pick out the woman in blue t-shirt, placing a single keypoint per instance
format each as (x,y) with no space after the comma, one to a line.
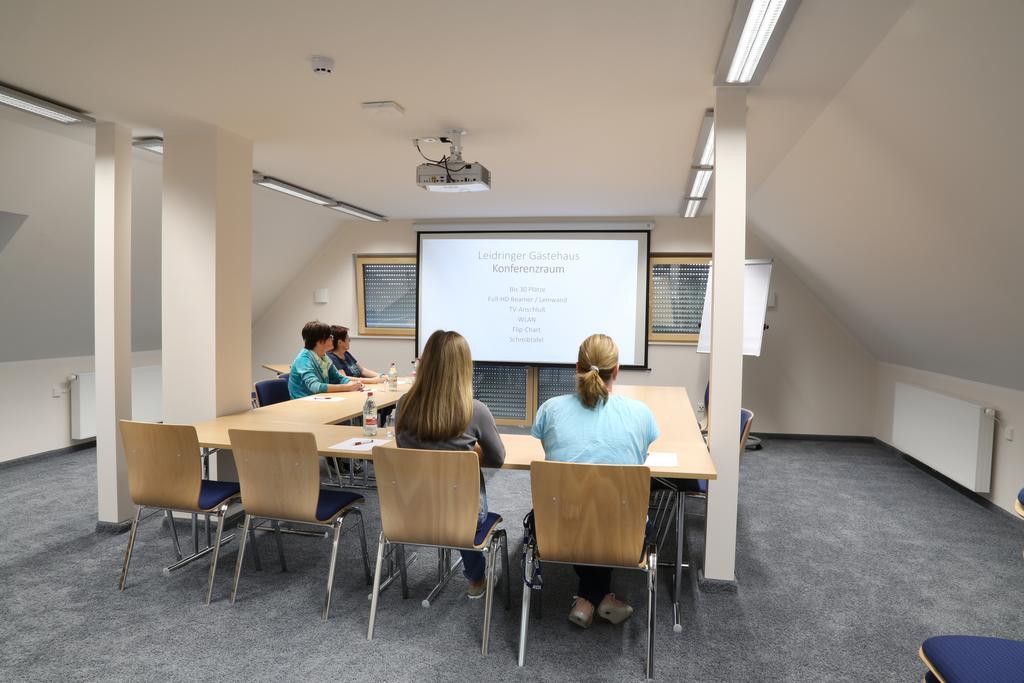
(593,426)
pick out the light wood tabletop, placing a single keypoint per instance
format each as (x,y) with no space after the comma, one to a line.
(680,433)
(278,368)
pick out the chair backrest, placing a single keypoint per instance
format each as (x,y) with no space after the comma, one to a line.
(279,473)
(164,468)
(428,497)
(746,420)
(271,391)
(590,514)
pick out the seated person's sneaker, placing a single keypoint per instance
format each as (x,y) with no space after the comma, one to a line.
(581,612)
(476,589)
(614,610)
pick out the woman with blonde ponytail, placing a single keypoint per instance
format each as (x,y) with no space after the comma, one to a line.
(595,426)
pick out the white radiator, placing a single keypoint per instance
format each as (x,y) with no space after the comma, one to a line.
(147,399)
(951,436)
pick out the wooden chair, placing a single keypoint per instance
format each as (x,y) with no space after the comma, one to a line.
(591,515)
(432,499)
(164,471)
(280,478)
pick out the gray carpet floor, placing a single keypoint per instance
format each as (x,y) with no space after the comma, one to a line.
(848,557)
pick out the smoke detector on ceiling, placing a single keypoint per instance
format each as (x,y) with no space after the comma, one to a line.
(322,65)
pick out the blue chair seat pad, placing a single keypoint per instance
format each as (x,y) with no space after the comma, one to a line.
(331,503)
(483,528)
(212,493)
(1020,496)
(970,659)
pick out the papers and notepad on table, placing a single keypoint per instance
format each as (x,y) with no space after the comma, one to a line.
(322,397)
(664,459)
(360,443)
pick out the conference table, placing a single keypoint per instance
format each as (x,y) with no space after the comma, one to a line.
(680,437)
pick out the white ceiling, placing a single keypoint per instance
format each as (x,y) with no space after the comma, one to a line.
(884,143)
(578,107)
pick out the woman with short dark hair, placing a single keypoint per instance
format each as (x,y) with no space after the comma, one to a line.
(312,371)
(345,362)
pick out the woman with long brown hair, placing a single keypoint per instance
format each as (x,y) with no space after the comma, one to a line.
(439,413)
(595,426)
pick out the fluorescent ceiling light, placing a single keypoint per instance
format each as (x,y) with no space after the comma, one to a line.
(357,212)
(753,37)
(155,145)
(692,208)
(700,183)
(40,107)
(707,157)
(458,187)
(293,190)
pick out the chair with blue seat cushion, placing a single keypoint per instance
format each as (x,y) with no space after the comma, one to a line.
(700,486)
(1018,504)
(280,477)
(165,472)
(973,659)
(271,391)
(432,499)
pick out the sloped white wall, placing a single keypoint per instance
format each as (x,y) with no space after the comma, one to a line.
(813,377)
(900,206)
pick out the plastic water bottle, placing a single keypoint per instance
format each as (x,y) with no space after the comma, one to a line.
(412,376)
(370,416)
(393,377)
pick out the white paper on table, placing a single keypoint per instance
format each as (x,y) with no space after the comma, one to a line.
(664,459)
(322,397)
(360,443)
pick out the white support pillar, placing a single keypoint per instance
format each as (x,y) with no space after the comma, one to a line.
(206,274)
(113,311)
(728,252)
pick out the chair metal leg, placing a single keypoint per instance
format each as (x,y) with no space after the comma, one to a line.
(174,533)
(376,586)
(246,532)
(255,550)
(362,544)
(334,561)
(677,625)
(131,545)
(524,619)
(490,557)
(507,570)
(652,604)
(195,534)
(280,545)
(209,541)
(221,513)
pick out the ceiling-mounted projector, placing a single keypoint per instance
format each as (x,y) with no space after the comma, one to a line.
(450,173)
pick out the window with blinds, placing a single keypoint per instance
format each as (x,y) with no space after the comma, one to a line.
(386,295)
(508,390)
(677,287)
(554,381)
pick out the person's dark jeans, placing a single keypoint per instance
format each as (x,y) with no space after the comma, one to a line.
(473,563)
(595,583)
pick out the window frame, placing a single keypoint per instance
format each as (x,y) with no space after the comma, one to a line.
(364,330)
(683,339)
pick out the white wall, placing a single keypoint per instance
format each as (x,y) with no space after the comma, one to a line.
(32,420)
(1008,459)
(813,377)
